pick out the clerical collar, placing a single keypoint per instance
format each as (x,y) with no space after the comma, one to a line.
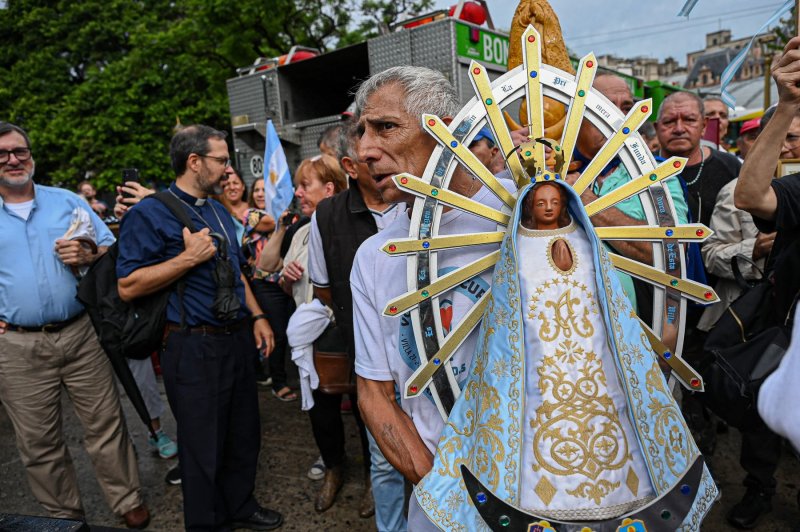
(188,198)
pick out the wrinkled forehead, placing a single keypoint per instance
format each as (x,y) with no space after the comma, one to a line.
(685,107)
(12,139)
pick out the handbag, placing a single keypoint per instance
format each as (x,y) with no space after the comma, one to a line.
(745,346)
(333,363)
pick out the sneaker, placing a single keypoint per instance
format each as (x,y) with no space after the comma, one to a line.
(317,471)
(173,477)
(161,444)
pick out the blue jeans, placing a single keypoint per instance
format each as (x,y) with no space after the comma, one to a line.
(388,490)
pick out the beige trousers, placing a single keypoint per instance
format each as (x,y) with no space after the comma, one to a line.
(33,369)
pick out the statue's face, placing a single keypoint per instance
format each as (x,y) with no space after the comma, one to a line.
(544,206)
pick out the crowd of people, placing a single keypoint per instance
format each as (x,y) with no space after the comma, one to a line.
(318,274)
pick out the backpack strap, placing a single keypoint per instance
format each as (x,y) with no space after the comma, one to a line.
(176,207)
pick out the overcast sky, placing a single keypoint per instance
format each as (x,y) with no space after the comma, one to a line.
(628,28)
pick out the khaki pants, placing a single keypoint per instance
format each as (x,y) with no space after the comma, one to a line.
(33,369)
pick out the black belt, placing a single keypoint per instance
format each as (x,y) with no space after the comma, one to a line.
(47,327)
(207,330)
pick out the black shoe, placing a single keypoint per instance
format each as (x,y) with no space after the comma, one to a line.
(745,514)
(173,477)
(262,519)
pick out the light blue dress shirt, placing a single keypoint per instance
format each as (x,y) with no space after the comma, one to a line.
(36,288)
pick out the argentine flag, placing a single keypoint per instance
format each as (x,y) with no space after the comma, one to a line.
(278,188)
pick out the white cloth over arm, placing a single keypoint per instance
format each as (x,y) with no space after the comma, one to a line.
(306,325)
(317,268)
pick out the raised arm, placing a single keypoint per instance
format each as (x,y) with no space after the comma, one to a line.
(753,191)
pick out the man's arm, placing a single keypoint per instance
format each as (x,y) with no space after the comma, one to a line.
(753,191)
(324,295)
(613,217)
(199,247)
(393,430)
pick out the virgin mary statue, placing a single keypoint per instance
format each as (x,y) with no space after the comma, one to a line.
(566,419)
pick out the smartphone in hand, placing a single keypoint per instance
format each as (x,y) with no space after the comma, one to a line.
(129,174)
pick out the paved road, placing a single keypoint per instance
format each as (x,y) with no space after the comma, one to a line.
(288,450)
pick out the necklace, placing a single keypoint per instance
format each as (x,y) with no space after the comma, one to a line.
(699,170)
(224,231)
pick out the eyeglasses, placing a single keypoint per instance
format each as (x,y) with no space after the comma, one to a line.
(22,154)
(221,160)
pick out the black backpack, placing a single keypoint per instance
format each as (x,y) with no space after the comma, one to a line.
(135,329)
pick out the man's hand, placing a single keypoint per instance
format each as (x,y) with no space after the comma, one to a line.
(137,193)
(786,72)
(199,246)
(265,339)
(763,245)
(73,253)
(292,272)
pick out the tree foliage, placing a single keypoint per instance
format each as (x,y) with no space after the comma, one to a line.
(99,84)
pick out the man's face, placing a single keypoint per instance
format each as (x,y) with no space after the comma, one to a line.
(392,141)
(15,173)
(590,139)
(680,128)
(791,143)
(745,142)
(717,109)
(212,171)
(485,151)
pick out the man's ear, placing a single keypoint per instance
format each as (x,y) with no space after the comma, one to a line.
(349,166)
(447,120)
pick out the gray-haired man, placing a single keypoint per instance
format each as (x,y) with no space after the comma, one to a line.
(392,141)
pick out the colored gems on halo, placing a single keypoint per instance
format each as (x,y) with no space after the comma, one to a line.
(534,73)
(476,70)
(699,232)
(695,383)
(437,361)
(392,248)
(676,164)
(425,293)
(709,295)
(504,520)
(581,93)
(674,282)
(645,108)
(488,101)
(666,514)
(667,354)
(653,177)
(393,310)
(686,489)
(434,192)
(426,245)
(413,389)
(481,497)
(527,154)
(404,180)
(531,38)
(431,122)
(454,143)
(670,232)
(626,130)
(589,64)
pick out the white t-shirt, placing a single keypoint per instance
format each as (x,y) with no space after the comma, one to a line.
(317,269)
(22,209)
(385,346)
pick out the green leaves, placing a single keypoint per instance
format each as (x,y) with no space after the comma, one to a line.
(99,84)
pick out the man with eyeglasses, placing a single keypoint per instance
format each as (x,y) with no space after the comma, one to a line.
(47,342)
(207,358)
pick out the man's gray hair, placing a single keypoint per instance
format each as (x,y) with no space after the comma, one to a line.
(426,91)
(347,140)
(680,95)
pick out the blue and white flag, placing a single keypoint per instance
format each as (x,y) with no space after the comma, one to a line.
(731,70)
(278,188)
(687,8)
